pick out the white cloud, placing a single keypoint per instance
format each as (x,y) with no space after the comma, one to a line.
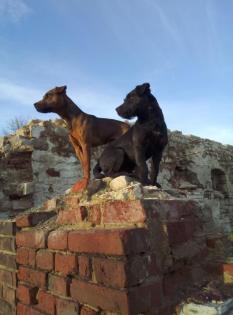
(19,94)
(14,10)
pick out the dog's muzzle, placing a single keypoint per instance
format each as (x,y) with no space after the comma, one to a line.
(124,113)
(41,108)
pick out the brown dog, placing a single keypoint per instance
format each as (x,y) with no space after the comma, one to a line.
(86,130)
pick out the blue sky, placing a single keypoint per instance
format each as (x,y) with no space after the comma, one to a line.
(101,49)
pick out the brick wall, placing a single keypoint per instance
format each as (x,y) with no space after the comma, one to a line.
(7,267)
(118,257)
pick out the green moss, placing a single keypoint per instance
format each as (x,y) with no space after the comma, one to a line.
(230,236)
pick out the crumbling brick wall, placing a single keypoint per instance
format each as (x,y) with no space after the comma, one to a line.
(38,163)
(115,257)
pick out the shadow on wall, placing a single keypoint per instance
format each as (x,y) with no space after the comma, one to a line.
(219,181)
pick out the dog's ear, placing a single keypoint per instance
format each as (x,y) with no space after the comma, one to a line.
(143,88)
(61,89)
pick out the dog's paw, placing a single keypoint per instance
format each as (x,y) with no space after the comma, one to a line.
(80,185)
(157,185)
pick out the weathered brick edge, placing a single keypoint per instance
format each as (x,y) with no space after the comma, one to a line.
(7,267)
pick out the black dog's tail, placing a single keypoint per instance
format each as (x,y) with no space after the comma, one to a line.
(97,171)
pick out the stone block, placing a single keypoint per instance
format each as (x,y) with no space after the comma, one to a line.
(22,204)
(25,189)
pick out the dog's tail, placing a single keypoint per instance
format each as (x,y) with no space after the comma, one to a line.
(97,171)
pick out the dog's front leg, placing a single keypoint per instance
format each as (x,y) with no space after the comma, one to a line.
(83,154)
(85,162)
(86,159)
(156,158)
(141,166)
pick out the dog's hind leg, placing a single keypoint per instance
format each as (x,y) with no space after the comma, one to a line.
(111,161)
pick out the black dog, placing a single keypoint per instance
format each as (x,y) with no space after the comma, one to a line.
(146,139)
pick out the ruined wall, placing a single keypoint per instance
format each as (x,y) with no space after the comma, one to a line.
(38,163)
(203,170)
(117,249)
(126,250)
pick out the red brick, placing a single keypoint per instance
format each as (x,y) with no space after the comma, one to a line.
(31,239)
(72,216)
(8,277)
(109,242)
(27,310)
(180,232)
(58,240)
(213,268)
(173,282)
(171,210)
(145,298)
(65,263)
(7,243)
(32,219)
(7,259)
(87,311)
(142,299)
(31,276)
(58,285)
(72,200)
(84,266)
(26,256)
(45,260)
(212,242)
(67,307)
(46,302)
(7,227)
(8,294)
(139,268)
(123,212)
(121,274)
(94,214)
(109,272)
(228,267)
(99,296)
(26,294)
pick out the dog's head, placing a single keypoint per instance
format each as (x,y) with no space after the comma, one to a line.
(135,101)
(53,101)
